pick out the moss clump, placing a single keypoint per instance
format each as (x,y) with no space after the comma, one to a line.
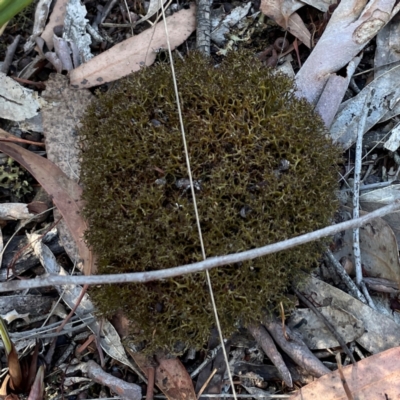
(264,172)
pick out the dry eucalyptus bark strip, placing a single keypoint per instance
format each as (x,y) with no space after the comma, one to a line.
(295,347)
(265,341)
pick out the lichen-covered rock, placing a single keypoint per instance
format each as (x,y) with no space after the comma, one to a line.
(264,171)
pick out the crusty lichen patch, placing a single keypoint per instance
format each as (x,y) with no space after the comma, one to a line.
(264,171)
(14,179)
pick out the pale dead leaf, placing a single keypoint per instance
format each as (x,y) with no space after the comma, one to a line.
(322,5)
(315,333)
(376,377)
(14,211)
(154,6)
(291,6)
(370,201)
(393,143)
(16,102)
(381,332)
(375,100)
(379,251)
(288,7)
(13,315)
(134,53)
(56,19)
(293,23)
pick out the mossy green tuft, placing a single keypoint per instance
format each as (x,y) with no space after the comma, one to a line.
(264,171)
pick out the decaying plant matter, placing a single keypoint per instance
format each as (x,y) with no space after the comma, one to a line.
(263,170)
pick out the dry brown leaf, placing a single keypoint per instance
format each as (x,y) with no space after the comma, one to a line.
(374,199)
(381,331)
(37,390)
(121,324)
(170,376)
(376,377)
(66,195)
(14,369)
(56,18)
(173,379)
(134,53)
(4,386)
(379,251)
(293,23)
(315,333)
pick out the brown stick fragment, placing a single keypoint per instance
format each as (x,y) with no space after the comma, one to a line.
(39,85)
(125,390)
(295,348)
(265,341)
(343,379)
(8,137)
(209,263)
(150,385)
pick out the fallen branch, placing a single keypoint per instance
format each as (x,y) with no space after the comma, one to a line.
(141,277)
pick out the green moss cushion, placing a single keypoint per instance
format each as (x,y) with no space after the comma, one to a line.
(264,171)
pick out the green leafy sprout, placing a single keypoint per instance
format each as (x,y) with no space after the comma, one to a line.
(10,8)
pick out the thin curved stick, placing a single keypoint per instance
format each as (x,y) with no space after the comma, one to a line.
(209,263)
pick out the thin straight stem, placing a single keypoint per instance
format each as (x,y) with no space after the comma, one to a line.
(356,195)
(192,188)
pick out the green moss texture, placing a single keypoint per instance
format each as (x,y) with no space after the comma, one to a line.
(264,171)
